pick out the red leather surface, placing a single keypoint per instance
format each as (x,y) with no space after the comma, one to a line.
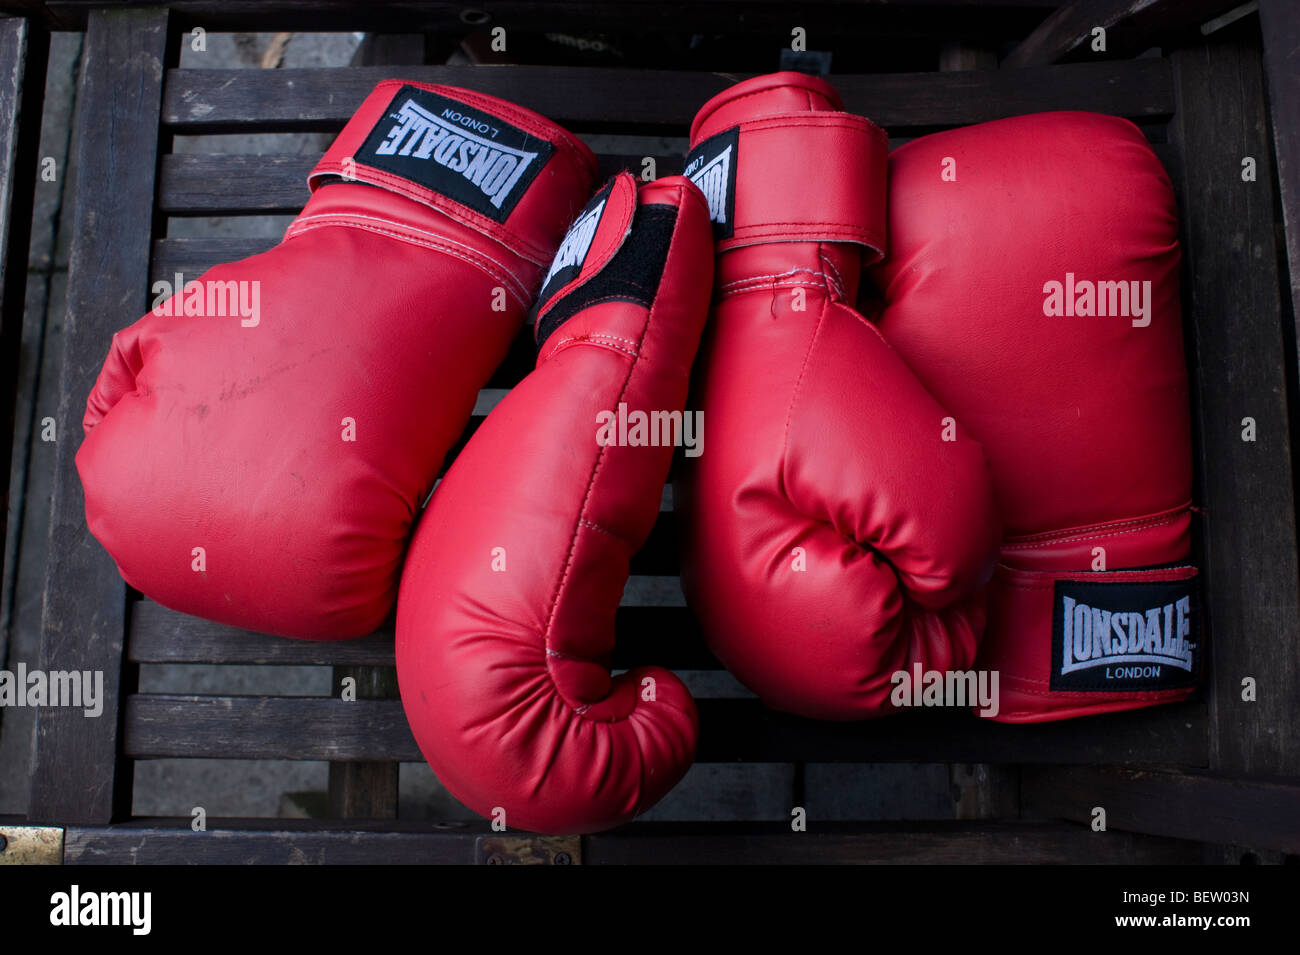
(772,94)
(1084,419)
(504,670)
(831,535)
(205,433)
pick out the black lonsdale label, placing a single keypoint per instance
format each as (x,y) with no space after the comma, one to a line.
(712,166)
(572,253)
(460,152)
(1111,637)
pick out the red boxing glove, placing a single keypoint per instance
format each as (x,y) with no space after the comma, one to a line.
(257,447)
(505,622)
(840,526)
(1032,284)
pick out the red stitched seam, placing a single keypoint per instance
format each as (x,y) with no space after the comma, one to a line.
(582,510)
(461,213)
(506,280)
(1172,514)
(360,219)
(1046,580)
(1140,525)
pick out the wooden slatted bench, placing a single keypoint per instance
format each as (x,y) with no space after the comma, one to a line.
(1224,772)
(23,51)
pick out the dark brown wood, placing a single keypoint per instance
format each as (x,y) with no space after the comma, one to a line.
(743,730)
(193,257)
(1131,26)
(238,184)
(76,776)
(390,49)
(985,791)
(616,100)
(365,789)
(32,473)
(23,55)
(1249,812)
(965,56)
(246,727)
(268,842)
(222,184)
(1233,313)
(666,636)
(273,842)
(160,635)
(33,10)
(730,730)
(746,17)
(1280,30)
(929,843)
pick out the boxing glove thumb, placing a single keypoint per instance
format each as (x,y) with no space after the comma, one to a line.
(505,620)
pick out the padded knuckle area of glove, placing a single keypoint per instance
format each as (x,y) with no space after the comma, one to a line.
(930,503)
(632,275)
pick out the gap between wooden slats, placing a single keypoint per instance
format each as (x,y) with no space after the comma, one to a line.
(234,727)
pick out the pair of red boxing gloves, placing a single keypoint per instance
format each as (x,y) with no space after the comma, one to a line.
(945,397)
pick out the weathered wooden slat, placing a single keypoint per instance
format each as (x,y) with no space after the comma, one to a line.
(23,55)
(365,789)
(222,184)
(837,17)
(390,49)
(193,257)
(161,635)
(278,842)
(590,97)
(745,730)
(244,184)
(1280,30)
(76,777)
(667,636)
(1249,579)
(730,730)
(886,843)
(247,727)
(264,842)
(193,184)
(24,52)
(31,383)
(1247,812)
(1131,26)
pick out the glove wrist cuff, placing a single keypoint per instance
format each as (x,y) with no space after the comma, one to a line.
(814,176)
(472,157)
(1071,643)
